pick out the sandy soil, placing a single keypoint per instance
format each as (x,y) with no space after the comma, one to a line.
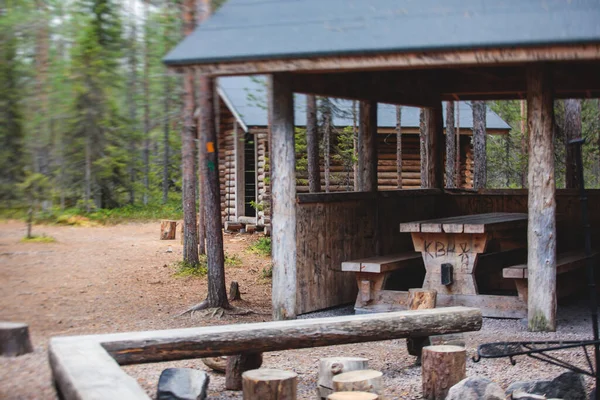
(119,278)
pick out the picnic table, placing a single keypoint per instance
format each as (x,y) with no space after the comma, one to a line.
(451,246)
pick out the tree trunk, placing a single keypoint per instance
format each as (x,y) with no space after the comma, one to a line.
(572,130)
(523,146)
(399,145)
(167,104)
(541,226)
(367,146)
(312,145)
(217,293)
(327,128)
(450,146)
(367,380)
(355,144)
(443,367)
(131,100)
(237,365)
(283,196)
(88,173)
(190,227)
(423,148)
(146,88)
(234,291)
(479,145)
(269,384)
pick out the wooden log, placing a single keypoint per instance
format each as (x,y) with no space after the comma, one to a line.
(237,365)
(269,384)
(283,187)
(234,291)
(168,229)
(443,367)
(353,396)
(218,364)
(419,299)
(285,335)
(367,380)
(332,366)
(14,339)
(541,226)
(312,144)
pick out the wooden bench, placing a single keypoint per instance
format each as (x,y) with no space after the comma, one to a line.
(373,272)
(565,262)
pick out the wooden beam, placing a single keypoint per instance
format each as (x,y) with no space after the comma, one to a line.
(312,145)
(405,60)
(367,147)
(283,194)
(541,226)
(411,88)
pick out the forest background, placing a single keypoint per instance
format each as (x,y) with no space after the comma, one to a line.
(91,120)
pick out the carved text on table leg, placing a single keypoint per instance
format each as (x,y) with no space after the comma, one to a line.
(459,250)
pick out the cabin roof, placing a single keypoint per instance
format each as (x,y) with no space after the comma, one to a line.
(250,30)
(246,97)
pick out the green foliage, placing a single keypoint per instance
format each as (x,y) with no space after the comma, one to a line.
(184,269)
(267,272)
(261,247)
(232,260)
(38,239)
(257,206)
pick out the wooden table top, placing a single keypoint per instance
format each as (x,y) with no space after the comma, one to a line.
(475,223)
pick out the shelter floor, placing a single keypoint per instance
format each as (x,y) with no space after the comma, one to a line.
(120,278)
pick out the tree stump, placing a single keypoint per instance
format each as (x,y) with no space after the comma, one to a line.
(443,367)
(218,364)
(269,384)
(14,339)
(419,299)
(168,229)
(366,380)
(237,365)
(352,396)
(332,366)
(234,292)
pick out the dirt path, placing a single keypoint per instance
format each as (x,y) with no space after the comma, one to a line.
(103,279)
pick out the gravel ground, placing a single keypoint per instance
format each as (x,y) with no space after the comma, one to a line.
(77,286)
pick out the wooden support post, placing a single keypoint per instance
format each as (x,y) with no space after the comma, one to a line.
(237,365)
(541,226)
(332,366)
(367,146)
(443,367)
(367,380)
(168,229)
(312,145)
(238,149)
(269,384)
(433,147)
(283,195)
(450,146)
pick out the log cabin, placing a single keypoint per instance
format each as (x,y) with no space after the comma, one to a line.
(243,144)
(412,54)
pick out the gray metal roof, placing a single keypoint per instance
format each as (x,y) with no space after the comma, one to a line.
(247,97)
(270,29)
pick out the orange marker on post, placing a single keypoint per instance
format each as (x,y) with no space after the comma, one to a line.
(210,147)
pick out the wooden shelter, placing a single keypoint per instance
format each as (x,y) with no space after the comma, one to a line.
(243,144)
(409,53)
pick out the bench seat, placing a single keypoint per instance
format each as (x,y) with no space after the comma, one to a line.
(565,262)
(381,264)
